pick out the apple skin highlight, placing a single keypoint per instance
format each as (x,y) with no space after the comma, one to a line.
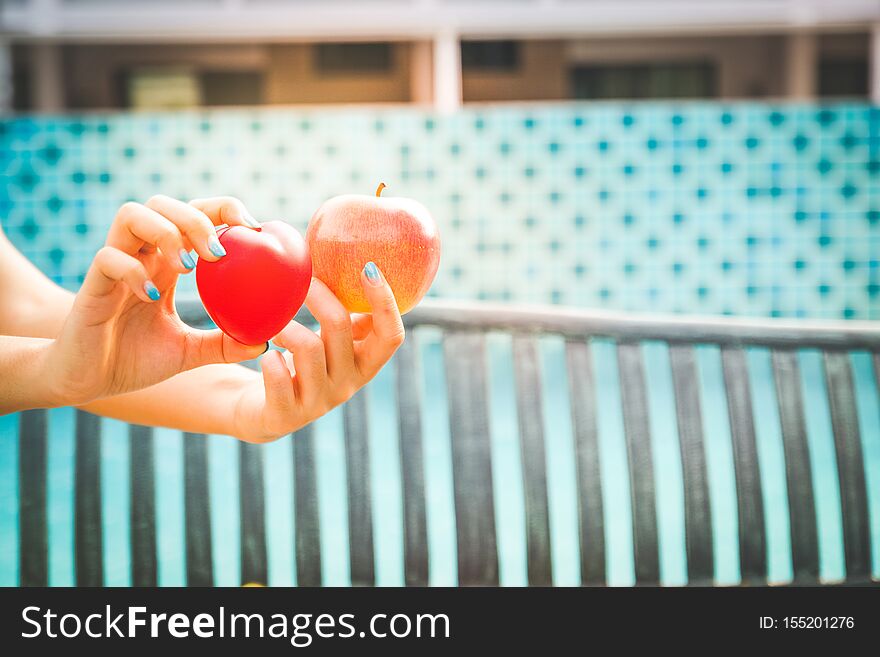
(398,234)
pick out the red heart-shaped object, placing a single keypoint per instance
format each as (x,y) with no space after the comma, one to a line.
(253,291)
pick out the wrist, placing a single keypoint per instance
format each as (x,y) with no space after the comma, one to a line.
(254,422)
(247,424)
(26,375)
(242,389)
(64,386)
(47,380)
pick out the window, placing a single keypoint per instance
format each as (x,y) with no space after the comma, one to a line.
(161,89)
(21,88)
(353,57)
(843,77)
(490,55)
(231,88)
(181,88)
(634,81)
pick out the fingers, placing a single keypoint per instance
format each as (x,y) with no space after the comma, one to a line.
(195,225)
(278,386)
(138,228)
(310,382)
(361,325)
(327,369)
(388,333)
(206,347)
(335,332)
(226,210)
(110,267)
(174,227)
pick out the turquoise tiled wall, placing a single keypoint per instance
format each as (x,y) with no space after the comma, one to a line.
(744,208)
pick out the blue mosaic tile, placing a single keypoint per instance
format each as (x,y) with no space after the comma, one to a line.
(749,209)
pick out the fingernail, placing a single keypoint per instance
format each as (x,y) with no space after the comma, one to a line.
(372,272)
(152,291)
(250,221)
(186,259)
(215,247)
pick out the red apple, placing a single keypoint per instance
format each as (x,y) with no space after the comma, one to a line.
(253,291)
(398,234)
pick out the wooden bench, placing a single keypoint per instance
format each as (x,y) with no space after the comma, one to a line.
(463,331)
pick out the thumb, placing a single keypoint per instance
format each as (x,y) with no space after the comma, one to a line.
(206,347)
(387,323)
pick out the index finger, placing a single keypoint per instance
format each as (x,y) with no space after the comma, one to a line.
(335,330)
(225,210)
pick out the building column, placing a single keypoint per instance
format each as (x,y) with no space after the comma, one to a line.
(5,77)
(801,66)
(447,72)
(421,73)
(874,68)
(48,78)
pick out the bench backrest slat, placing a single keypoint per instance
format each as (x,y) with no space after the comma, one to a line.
(465,358)
(749,501)
(360,508)
(33,531)
(144,566)
(527,377)
(591,515)
(197,512)
(850,464)
(412,464)
(798,471)
(307,528)
(252,524)
(697,511)
(89,529)
(640,459)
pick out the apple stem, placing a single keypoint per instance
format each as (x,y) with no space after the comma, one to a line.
(380,188)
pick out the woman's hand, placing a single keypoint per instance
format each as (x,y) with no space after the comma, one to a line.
(319,371)
(123,332)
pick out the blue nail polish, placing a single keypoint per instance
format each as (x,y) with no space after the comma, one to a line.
(151,290)
(186,259)
(215,247)
(250,221)
(372,272)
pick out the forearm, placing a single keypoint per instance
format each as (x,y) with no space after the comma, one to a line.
(25,374)
(202,400)
(32,305)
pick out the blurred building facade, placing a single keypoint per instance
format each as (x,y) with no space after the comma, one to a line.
(95,54)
